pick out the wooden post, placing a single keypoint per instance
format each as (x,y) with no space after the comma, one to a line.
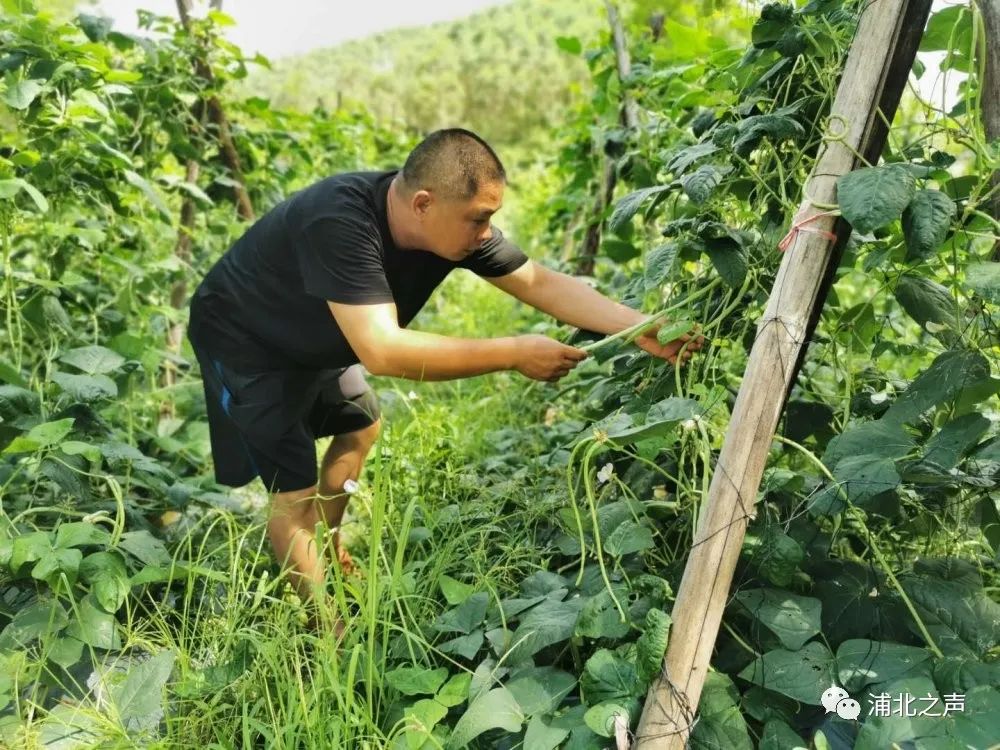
(628,115)
(989,11)
(874,76)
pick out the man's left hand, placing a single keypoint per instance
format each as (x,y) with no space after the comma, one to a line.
(683,346)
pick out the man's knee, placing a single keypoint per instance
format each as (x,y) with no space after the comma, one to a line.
(293,506)
(364,438)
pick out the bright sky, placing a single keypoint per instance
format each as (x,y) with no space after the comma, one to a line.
(293,26)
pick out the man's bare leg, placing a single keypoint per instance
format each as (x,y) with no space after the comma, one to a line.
(344,460)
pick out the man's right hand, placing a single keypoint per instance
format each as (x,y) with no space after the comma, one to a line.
(541,358)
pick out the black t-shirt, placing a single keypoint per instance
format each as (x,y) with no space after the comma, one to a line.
(263,304)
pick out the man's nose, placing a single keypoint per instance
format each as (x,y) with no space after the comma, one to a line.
(486,234)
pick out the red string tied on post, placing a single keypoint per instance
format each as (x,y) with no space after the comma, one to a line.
(801,225)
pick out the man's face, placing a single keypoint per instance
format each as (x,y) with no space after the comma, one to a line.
(454,229)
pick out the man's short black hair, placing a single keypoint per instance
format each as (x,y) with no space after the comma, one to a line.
(454,163)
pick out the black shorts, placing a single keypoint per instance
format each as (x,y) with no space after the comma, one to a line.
(266,423)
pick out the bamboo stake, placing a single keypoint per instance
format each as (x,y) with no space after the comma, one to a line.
(874,76)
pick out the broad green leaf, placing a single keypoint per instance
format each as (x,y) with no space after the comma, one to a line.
(861,662)
(984,280)
(895,730)
(802,675)
(544,583)
(41,436)
(542,736)
(109,580)
(948,445)
(65,652)
(79,448)
(688,156)
(660,420)
(465,645)
(620,251)
(699,185)
(27,548)
(925,223)
(651,646)
(465,617)
(627,207)
(138,181)
(872,197)
(80,534)
(863,477)
(776,555)
(138,698)
(876,439)
(92,625)
(609,677)
(793,618)
(10,188)
(660,264)
(146,548)
(729,260)
(628,538)
(947,375)
(455,691)
(495,709)
(20,94)
(42,617)
(774,126)
(569,44)
(455,592)
(854,600)
(599,617)
(779,736)
(948,26)
(948,596)
(86,388)
(602,717)
(929,304)
(93,360)
(774,21)
(957,674)
(421,718)
(540,690)
(720,724)
(53,565)
(417,680)
(550,622)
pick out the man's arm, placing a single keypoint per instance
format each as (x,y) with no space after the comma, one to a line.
(386,349)
(567,299)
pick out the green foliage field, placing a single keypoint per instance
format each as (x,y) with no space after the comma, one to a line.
(519,544)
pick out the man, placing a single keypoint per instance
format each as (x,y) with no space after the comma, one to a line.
(331,277)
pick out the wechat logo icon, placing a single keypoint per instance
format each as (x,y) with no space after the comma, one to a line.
(836,699)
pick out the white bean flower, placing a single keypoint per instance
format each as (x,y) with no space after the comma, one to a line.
(604,475)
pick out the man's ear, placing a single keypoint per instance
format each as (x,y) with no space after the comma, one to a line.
(421,203)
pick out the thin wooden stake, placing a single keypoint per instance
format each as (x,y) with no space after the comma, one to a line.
(874,76)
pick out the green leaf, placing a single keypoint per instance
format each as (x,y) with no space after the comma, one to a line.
(608,677)
(872,197)
(925,223)
(984,280)
(863,477)
(20,94)
(417,680)
(42,617)
(948,26)
(773,125)
(109,580)
(542,736)
(465,645)
(599,617)
(853,599)
(455,690)
(550,622)
(139,182)
(779,736)
(651,646)
(455,592)
(94,626)
(628,538)
(957,674)
(94,360)
(80,534)
(56,563)
(540,690)
(139,697)
(802,675)
(776,555)
(793,618)
(660,264)
(569,44)
(65,652)
(146,548)
(720,724)
(421,718)
(602,717)
(660,420)
(947,375)
(876,439)
(926,301)
(466,617)
(620,251)
(495,709)
(700,184)
(86,388)
(28,548)
(861,662)
(627,207)
(41,436)
(958,437)
(10,188)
